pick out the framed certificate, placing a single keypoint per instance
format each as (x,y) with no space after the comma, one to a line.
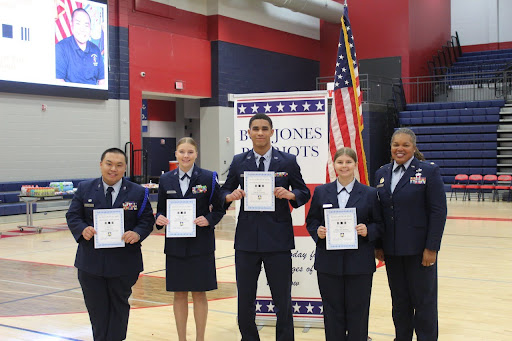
(181,214)
(109,226)
(341,228)
(259,191)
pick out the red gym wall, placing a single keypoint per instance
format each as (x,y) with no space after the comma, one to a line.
(170,44)
(412,29)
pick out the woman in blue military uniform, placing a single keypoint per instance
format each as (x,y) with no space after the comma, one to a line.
(190,262)
(413,204)
(345,276)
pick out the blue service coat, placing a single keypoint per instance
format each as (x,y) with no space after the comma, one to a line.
(267,231)
(169,188)
(346,262)
(415,213)
(111,262)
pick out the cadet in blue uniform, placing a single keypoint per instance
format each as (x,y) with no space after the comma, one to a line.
(345,276)
(265,237)
(77,59)
(107,275)
(190,262)
(413,205)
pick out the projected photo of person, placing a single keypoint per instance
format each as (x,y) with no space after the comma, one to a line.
(77,58)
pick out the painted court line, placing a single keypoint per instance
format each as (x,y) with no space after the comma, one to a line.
(42,295)
(39,333)
(480,218)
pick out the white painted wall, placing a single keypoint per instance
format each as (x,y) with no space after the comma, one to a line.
(215,152)
(254,11)
(64,142)
(194,6)
(482,21)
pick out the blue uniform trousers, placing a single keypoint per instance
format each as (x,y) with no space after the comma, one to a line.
(278,268)
(414,297)
(346,301)
(106,299)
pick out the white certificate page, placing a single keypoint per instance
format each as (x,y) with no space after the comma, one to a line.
(181,214)
(341,228)
(259,191)
(109,226)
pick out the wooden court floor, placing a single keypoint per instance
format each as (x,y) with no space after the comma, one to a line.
(40,298)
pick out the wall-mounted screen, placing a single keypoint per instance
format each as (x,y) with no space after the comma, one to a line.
(54,47)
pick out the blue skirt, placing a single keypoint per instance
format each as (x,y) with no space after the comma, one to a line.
(192,273)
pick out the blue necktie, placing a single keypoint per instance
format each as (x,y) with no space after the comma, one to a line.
(261,166)
(108,196)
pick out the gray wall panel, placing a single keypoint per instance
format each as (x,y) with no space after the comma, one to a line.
(63,142)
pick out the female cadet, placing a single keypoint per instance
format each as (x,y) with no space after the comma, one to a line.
(190,262)
(345,276)
(413,205)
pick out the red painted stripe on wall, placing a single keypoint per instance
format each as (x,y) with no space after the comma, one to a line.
(247,34)
(487,47)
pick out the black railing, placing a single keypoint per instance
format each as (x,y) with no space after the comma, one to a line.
(457,87)
(445,57)
(137,170)
(374,89)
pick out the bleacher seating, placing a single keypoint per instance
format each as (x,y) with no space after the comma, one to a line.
(456,105)
(461,137)
(483,61)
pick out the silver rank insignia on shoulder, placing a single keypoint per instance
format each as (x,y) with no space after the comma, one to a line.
(382,180)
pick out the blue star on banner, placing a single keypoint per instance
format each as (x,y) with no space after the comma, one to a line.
(281,107)
(311,307)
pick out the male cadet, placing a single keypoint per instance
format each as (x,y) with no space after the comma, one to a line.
(108,274)
(265,237)
(77,59)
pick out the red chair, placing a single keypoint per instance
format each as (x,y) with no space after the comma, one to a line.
(474,182)
(461,181)
(488,183)
(504,183)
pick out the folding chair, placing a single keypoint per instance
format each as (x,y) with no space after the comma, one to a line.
(461,181)
(504,183)
(474,182)
(488,183)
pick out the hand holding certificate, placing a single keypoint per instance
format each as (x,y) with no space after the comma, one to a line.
(341,228)
(181,214)
(259,191)
(109,226)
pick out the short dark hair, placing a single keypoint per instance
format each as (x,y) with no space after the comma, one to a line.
(80,9)
(115,151)
(260,117)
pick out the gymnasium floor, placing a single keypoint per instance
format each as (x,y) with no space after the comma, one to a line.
(40,298)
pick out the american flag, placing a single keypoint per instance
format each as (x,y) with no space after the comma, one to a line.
(63,18)
(346,114)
